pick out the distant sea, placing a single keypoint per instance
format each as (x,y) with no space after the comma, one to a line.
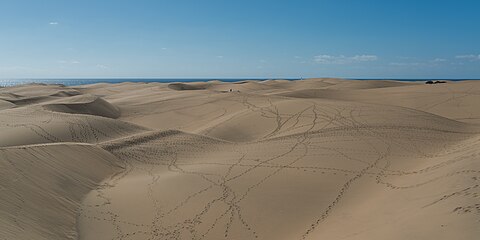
(83,81)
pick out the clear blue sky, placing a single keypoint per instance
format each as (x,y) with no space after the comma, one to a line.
(242,38)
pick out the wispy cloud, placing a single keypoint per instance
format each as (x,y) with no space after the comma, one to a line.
(342,59)
(471,57)
(364,58)
(101,66)
(220,56)
(53,23)
(439,60)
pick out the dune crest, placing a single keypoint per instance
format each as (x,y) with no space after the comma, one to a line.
(85,104)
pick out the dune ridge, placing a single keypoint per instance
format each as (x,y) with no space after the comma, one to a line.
(276,159)
(85,104)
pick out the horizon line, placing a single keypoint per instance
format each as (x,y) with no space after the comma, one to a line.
(230,78)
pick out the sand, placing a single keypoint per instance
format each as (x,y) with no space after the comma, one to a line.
(309,159)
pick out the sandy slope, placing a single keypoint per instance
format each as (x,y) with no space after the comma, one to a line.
(42,187)
(311,159)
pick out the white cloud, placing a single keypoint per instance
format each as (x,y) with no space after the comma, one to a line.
(342,59)
(53,23)
(470,57)
(364,58)
(328,59)
(164,48)
(101,66)
(438,60)
(220,56)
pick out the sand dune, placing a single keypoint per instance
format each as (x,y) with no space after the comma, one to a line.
(84,104)
(43,186)
(6,104)
(188,86)
(277,159)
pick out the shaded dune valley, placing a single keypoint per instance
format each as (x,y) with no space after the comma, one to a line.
(276,159)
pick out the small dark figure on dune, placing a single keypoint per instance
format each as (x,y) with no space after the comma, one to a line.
(432,82)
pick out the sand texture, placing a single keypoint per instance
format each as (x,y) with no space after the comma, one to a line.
(310,159)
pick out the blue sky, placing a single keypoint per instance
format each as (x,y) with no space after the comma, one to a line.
(239,39)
